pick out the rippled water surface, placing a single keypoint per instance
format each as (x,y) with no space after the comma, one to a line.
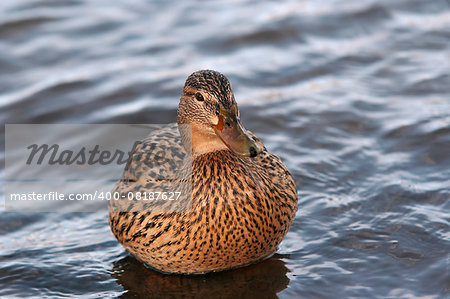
(354,96)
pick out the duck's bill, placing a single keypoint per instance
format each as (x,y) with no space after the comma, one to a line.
(235,137)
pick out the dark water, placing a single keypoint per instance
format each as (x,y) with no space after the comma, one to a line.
(353,95)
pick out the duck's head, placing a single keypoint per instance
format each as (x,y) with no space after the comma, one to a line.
(208,105)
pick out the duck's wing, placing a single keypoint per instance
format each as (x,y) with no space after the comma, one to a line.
(157,166)
(159,156)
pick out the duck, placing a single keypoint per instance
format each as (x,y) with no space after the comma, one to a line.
(242,198)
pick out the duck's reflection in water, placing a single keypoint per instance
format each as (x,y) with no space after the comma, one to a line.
(261,280)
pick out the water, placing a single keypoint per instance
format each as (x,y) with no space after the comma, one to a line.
(353,95)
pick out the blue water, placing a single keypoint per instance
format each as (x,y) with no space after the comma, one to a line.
(354,96)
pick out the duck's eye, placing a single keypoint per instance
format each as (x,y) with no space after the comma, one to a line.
(199,97)
(228,124)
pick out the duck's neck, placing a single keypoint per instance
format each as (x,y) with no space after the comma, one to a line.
(204,140)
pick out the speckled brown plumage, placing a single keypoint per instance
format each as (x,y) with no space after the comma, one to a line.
(242,207)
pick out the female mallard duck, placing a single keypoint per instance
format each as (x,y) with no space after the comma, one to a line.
(243,197)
